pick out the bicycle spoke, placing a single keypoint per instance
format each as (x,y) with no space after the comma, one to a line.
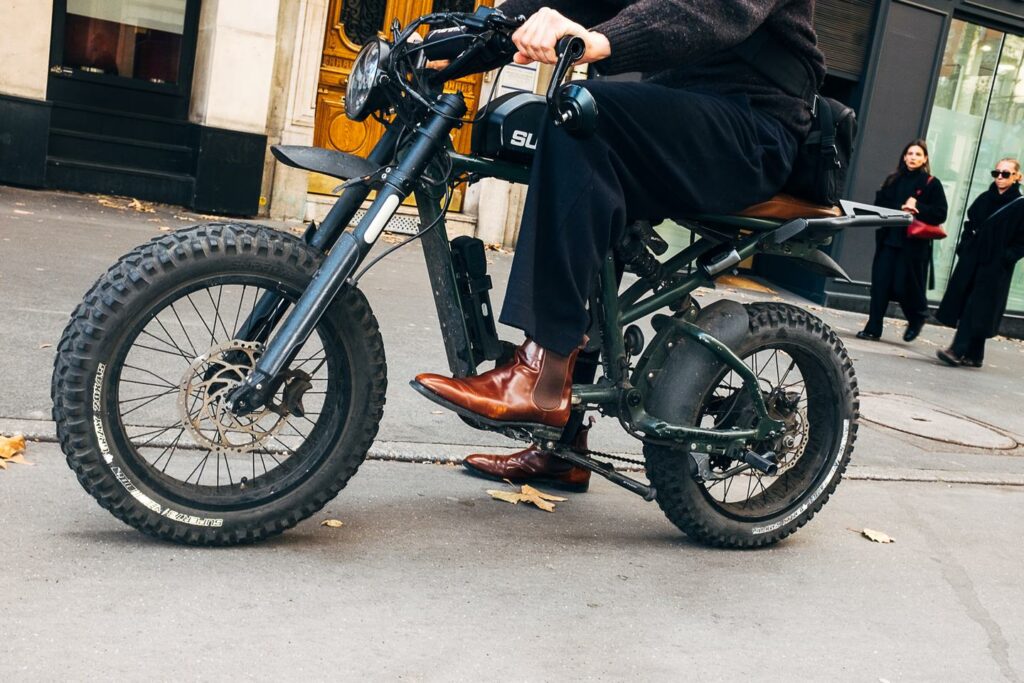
(185,331)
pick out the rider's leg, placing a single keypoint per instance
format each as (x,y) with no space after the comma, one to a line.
(658,152)
(540,466)
(534,466)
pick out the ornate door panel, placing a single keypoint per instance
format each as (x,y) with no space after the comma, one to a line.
(350,24)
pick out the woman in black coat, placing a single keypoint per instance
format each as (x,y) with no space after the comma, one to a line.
(991,243)
(900,269)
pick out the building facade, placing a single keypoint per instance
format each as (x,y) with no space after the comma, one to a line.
(949,71)
(178,101)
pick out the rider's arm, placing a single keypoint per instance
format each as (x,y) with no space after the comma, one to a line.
(587,13)
(651,35)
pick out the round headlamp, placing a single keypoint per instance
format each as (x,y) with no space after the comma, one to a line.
(362,83)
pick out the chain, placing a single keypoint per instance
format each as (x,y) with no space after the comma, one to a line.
(608,456)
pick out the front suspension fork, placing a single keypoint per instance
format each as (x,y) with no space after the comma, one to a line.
(347,253)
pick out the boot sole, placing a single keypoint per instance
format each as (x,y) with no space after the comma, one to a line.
(523,431)
(539,481)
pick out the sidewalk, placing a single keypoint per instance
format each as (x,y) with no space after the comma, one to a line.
(922,420)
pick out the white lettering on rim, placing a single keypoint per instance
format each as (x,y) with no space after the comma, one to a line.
(101,438)
(817,492)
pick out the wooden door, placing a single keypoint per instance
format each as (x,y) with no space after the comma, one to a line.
(350,24)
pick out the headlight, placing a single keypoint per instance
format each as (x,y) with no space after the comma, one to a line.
(359,95)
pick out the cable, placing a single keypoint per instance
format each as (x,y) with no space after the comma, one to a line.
(448,200)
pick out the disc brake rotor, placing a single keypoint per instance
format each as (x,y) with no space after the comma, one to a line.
(203,407)
(791,445)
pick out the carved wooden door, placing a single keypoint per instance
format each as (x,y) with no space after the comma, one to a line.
(350,24)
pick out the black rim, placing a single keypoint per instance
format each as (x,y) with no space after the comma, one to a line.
(144,399)
(798,389)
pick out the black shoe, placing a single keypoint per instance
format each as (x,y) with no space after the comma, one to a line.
(864,334)
(971,363)
(913,329)
(949,358)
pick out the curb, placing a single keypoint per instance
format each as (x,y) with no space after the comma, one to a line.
(453,454)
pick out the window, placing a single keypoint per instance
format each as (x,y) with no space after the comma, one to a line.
(977,120)
(140,39)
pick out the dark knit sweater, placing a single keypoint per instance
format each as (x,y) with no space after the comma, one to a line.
(687,43)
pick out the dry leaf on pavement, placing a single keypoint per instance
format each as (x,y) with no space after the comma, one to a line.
(527,494)
(145,207)
(877,536)
(11,446)
(530,491)
(11,449)
(333,523)
(45,346)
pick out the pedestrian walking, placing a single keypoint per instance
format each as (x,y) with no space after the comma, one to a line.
(991,243)
(901,265)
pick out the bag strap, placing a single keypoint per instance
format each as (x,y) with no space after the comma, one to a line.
(768,56)
(1002,208)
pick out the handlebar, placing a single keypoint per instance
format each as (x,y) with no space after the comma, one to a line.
(488,33)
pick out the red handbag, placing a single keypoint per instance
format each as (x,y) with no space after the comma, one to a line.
(919,230)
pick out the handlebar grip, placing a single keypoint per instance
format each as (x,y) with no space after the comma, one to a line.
(574,45)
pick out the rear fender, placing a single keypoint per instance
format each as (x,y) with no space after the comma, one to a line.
(676,368)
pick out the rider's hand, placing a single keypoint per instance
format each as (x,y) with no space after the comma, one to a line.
(910,205)
(537,38)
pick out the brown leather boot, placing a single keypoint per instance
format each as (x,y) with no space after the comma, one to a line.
(535,387)
(534,466)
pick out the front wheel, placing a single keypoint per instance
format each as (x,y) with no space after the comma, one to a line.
(145,365)
(807,381)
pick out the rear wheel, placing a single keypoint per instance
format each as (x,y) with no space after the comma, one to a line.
(807,381)
(144,367)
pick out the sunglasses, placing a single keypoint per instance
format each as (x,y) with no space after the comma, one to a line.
(1003,174)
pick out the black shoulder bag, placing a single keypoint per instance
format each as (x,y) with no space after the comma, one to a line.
(823,158)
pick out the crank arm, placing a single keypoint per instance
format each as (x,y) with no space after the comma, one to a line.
(608,471)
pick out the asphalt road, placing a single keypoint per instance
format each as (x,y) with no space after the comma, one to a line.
(431,580)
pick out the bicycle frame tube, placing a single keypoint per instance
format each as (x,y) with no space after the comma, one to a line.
(618,393)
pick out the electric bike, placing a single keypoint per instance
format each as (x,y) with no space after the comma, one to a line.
(221,383)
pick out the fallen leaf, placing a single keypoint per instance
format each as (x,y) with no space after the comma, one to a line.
(23,213)
(11,446)
(164,228)
(516,498)
(144,207)
(45,346)
(3,464)
(527,494)
(877,536)
(20,459)
(530,491)
(333,523)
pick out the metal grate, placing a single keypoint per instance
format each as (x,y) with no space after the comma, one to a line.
(405,225)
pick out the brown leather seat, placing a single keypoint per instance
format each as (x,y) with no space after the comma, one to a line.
(786,207)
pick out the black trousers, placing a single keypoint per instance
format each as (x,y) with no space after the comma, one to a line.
(658,152)
(898,274)
(968,344)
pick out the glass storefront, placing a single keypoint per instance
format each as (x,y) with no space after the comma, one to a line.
(978,119)
(132,38)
